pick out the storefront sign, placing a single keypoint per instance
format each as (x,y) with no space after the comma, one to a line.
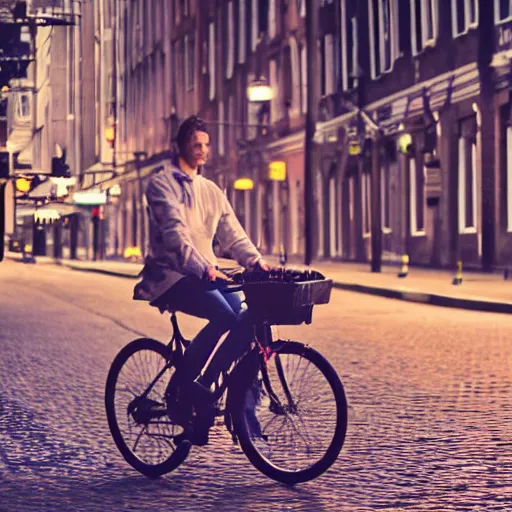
(277,171)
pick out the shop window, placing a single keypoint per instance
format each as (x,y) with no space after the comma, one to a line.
(467,176)
(366,191)
(385,190)
(417,196)
(230,43)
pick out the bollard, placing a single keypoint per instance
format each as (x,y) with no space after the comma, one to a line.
(404,269)
(458,276)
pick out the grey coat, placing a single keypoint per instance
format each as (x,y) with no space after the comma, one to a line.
(184,216)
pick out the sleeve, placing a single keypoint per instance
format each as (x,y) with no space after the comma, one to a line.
(165,209)
(233,237)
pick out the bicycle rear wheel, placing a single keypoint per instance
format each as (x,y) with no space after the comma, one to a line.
(137,410)
(291,418)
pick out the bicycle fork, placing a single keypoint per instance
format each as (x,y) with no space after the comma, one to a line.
(266,354)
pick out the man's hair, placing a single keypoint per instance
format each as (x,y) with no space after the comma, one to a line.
(187,129)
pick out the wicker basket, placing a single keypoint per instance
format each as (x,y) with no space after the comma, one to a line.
(281,303)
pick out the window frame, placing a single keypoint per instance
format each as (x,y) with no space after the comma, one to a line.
(272,19)
(347,82)
(366,200)
(255,34)
(467,26)
(425,43)
(230,57)
(497,19)
(462,172)
(385,198)
(415,230)
(380,45)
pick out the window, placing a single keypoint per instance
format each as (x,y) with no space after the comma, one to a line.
(301,8)
(423,24)
(23,107)
(242,21)
(211,60)
(502,10)
(230,44)
(467,176)
(509,177)
(275,103)
(222,145)
(189,45)
(295,76)
(417,197)
(366,191)
(255,29)
(272,19)
(304,78)
(349,46)
(385,190)
(328,69)
(383,25)
(464,16)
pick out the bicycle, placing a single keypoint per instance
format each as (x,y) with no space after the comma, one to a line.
(278,391)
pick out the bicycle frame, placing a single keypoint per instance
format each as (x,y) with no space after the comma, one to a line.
(264,341)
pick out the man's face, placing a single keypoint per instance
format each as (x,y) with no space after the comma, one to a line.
(197,149)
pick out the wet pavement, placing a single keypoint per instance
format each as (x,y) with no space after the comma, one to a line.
(429,390)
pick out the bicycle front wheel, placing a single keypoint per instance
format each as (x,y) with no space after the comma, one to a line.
(137,410)
(291,418)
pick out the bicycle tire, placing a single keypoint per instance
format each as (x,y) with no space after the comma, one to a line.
(178,455)
(242,429)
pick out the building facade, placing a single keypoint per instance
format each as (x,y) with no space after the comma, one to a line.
(412,141)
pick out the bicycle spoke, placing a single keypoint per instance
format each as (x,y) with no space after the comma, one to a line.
(299,429)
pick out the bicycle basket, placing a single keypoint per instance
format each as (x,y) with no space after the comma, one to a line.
(286,303)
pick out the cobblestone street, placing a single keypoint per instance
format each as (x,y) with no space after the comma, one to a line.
(429,391)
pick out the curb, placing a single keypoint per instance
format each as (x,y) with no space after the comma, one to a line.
(428,298)
(388,293)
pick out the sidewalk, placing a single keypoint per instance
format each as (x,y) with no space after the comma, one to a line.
(478,291)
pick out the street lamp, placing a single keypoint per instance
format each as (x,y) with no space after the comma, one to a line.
(259,91)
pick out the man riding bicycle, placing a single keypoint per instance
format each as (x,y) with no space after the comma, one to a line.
(186,212)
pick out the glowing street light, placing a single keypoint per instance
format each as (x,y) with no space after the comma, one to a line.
(259,91)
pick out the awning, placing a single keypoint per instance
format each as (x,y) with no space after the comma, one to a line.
(52,187)
(92,197)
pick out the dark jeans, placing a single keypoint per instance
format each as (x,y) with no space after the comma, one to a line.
(224,313)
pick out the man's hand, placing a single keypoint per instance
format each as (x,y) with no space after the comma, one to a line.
(263,265)
(213,274)
(260,264)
